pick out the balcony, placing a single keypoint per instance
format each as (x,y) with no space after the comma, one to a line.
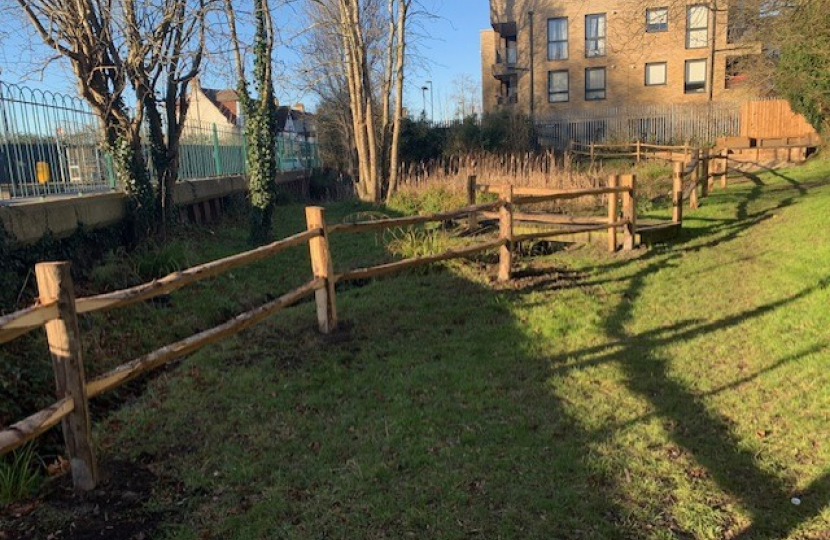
(503,71)
(501,17)
(507,100)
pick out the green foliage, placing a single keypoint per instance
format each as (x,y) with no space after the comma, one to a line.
(430,200)
(421,141)
(261,131)
(131,172)
(19,475)
(499,132)
(802,71)
(412,242)
(154,260)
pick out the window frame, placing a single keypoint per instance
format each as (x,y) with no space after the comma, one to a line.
(599,39)
(655,30)
(665,73)
(567,91)
(690,28)
(604,88)
(558,41)
(686,82)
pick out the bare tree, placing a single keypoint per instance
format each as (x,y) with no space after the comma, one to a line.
(367,48)
(155,46)
(465,96)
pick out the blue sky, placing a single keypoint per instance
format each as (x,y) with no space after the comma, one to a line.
(448,47)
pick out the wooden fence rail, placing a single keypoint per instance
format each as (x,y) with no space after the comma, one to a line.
(58,309)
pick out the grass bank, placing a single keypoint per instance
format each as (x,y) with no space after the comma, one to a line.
(679,393)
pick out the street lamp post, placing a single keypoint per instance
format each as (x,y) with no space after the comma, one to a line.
(431,103)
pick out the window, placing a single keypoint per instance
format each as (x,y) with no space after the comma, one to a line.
(695,82)
(594,35)
(697,27)
(657,19)
(736,68)
(512,51)
(656,74)
(558,86)
(558,39)
(594,84)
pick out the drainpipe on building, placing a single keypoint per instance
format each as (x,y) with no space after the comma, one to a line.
(713,12)
(532,71)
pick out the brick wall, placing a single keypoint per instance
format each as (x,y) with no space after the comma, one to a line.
(628,49)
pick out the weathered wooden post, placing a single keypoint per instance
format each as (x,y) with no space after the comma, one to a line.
(695,177)
(638,151)
(322,266)
(54,282)
(704,174)
(724,168)
(472,218)
(592,152)
(506,234)
(629,203)
(677,193)
(613,181)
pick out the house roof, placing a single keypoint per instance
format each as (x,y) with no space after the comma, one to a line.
(226,100)
(303,121)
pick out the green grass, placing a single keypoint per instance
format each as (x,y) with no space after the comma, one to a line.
(679,393)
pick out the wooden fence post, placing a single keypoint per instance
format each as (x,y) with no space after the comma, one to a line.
(472,219)
(695,177)
(629,203)
(54,282)
(506,233)
(724,168)
(638,151)
(704,174)
(322,266)
(613,181)
(677,194)
(592,152)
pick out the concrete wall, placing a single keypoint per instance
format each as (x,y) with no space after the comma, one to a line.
(26,221)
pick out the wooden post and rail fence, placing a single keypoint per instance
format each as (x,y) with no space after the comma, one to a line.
(58,309)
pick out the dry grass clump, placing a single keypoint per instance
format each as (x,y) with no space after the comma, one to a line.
(441,185)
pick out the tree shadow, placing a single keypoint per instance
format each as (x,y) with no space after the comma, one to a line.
(692,425)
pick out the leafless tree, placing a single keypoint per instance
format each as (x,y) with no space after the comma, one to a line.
(365,44)
(153,46)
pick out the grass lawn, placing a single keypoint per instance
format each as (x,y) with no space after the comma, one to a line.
(680,393)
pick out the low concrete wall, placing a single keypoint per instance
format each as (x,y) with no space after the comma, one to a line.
(26,221)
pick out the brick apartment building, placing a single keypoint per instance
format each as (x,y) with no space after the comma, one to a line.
(548,57)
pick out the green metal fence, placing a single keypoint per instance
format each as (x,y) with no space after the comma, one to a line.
(50,145)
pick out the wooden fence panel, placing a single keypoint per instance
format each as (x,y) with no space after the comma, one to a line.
(773,120)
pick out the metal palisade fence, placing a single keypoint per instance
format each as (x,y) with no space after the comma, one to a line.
(50,145)
(659,124)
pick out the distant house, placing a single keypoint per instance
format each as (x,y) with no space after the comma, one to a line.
(297,137)
(210,106)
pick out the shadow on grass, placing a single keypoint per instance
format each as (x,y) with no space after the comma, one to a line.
(707,436)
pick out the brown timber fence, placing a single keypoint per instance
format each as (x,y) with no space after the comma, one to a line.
(57,309)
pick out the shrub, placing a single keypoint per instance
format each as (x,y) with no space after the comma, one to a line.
(19,476)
